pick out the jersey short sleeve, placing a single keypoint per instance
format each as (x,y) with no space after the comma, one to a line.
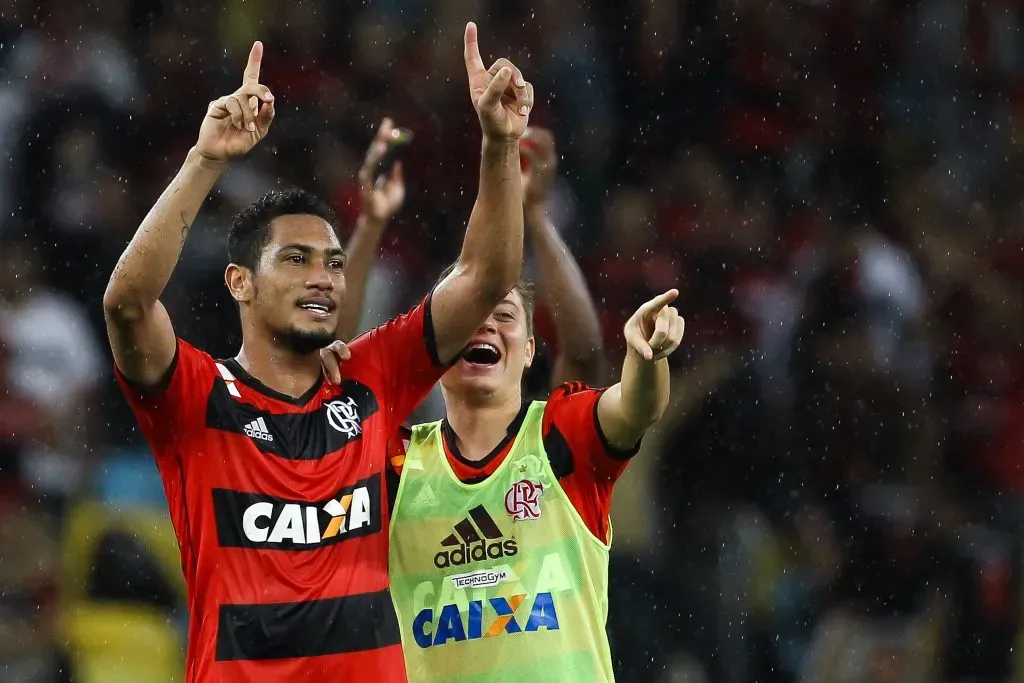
(399,359)
(181,401)
(586,464)
(572,412)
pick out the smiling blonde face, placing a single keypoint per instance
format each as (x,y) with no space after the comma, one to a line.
(492,366)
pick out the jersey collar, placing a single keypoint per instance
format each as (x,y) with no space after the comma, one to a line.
(262,388)
(451,440)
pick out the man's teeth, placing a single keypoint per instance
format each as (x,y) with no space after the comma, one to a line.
(483,346)
(315,307)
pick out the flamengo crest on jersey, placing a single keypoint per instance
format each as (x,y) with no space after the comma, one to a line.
(343,415)
(522,501)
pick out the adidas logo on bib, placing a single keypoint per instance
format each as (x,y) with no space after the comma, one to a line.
(467,545)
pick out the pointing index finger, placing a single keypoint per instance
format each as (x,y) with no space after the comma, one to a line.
(474,64)
(252,69)
(659,302)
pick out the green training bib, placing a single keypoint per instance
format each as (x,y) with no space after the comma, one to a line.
(498,581)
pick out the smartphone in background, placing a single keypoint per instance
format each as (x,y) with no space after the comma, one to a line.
(400,139)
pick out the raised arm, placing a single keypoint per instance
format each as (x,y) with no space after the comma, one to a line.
(626,410)
(140,332)
(492,251)
(381,201)
(581,351)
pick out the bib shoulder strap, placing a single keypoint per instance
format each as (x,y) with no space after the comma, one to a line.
(421,432)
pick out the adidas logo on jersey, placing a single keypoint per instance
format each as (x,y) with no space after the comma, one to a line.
(467,545)
(257,429)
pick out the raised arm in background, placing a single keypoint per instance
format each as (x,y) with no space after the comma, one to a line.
(382,199)
(492,251)
(140,332)
(626,410)
(581,350)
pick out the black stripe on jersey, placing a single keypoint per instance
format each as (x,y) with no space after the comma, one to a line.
(297,436)
(430,338)
(333,626)
(559,453)
(257,521)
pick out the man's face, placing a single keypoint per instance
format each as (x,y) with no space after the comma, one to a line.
(496,357)
(298,283)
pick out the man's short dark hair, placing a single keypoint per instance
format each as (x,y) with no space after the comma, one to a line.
(523,286)
(250,230)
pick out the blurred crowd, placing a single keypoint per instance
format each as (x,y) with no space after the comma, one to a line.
(837,494)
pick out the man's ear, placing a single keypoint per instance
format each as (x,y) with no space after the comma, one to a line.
(531,349)
(239,281)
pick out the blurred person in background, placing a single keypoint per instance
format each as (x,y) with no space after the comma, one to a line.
(54,364)
(563,289)
(21,422)
(284,554)
(373,282)
(381,196)
(29,543)
(30,650)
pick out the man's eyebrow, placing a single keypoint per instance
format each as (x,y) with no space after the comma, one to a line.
(303,248)
(306,249)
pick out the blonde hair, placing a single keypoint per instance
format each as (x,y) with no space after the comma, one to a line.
(523,286)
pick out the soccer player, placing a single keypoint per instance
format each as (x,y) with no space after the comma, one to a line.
(500,530)
(580,355)
(274,477)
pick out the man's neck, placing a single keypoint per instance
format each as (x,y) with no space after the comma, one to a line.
(281,371)
(480,427)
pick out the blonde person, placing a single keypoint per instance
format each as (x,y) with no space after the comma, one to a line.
(500,532)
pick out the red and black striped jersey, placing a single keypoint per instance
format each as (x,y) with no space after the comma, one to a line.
(280,508)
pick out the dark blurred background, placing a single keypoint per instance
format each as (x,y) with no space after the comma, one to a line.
(837,493)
